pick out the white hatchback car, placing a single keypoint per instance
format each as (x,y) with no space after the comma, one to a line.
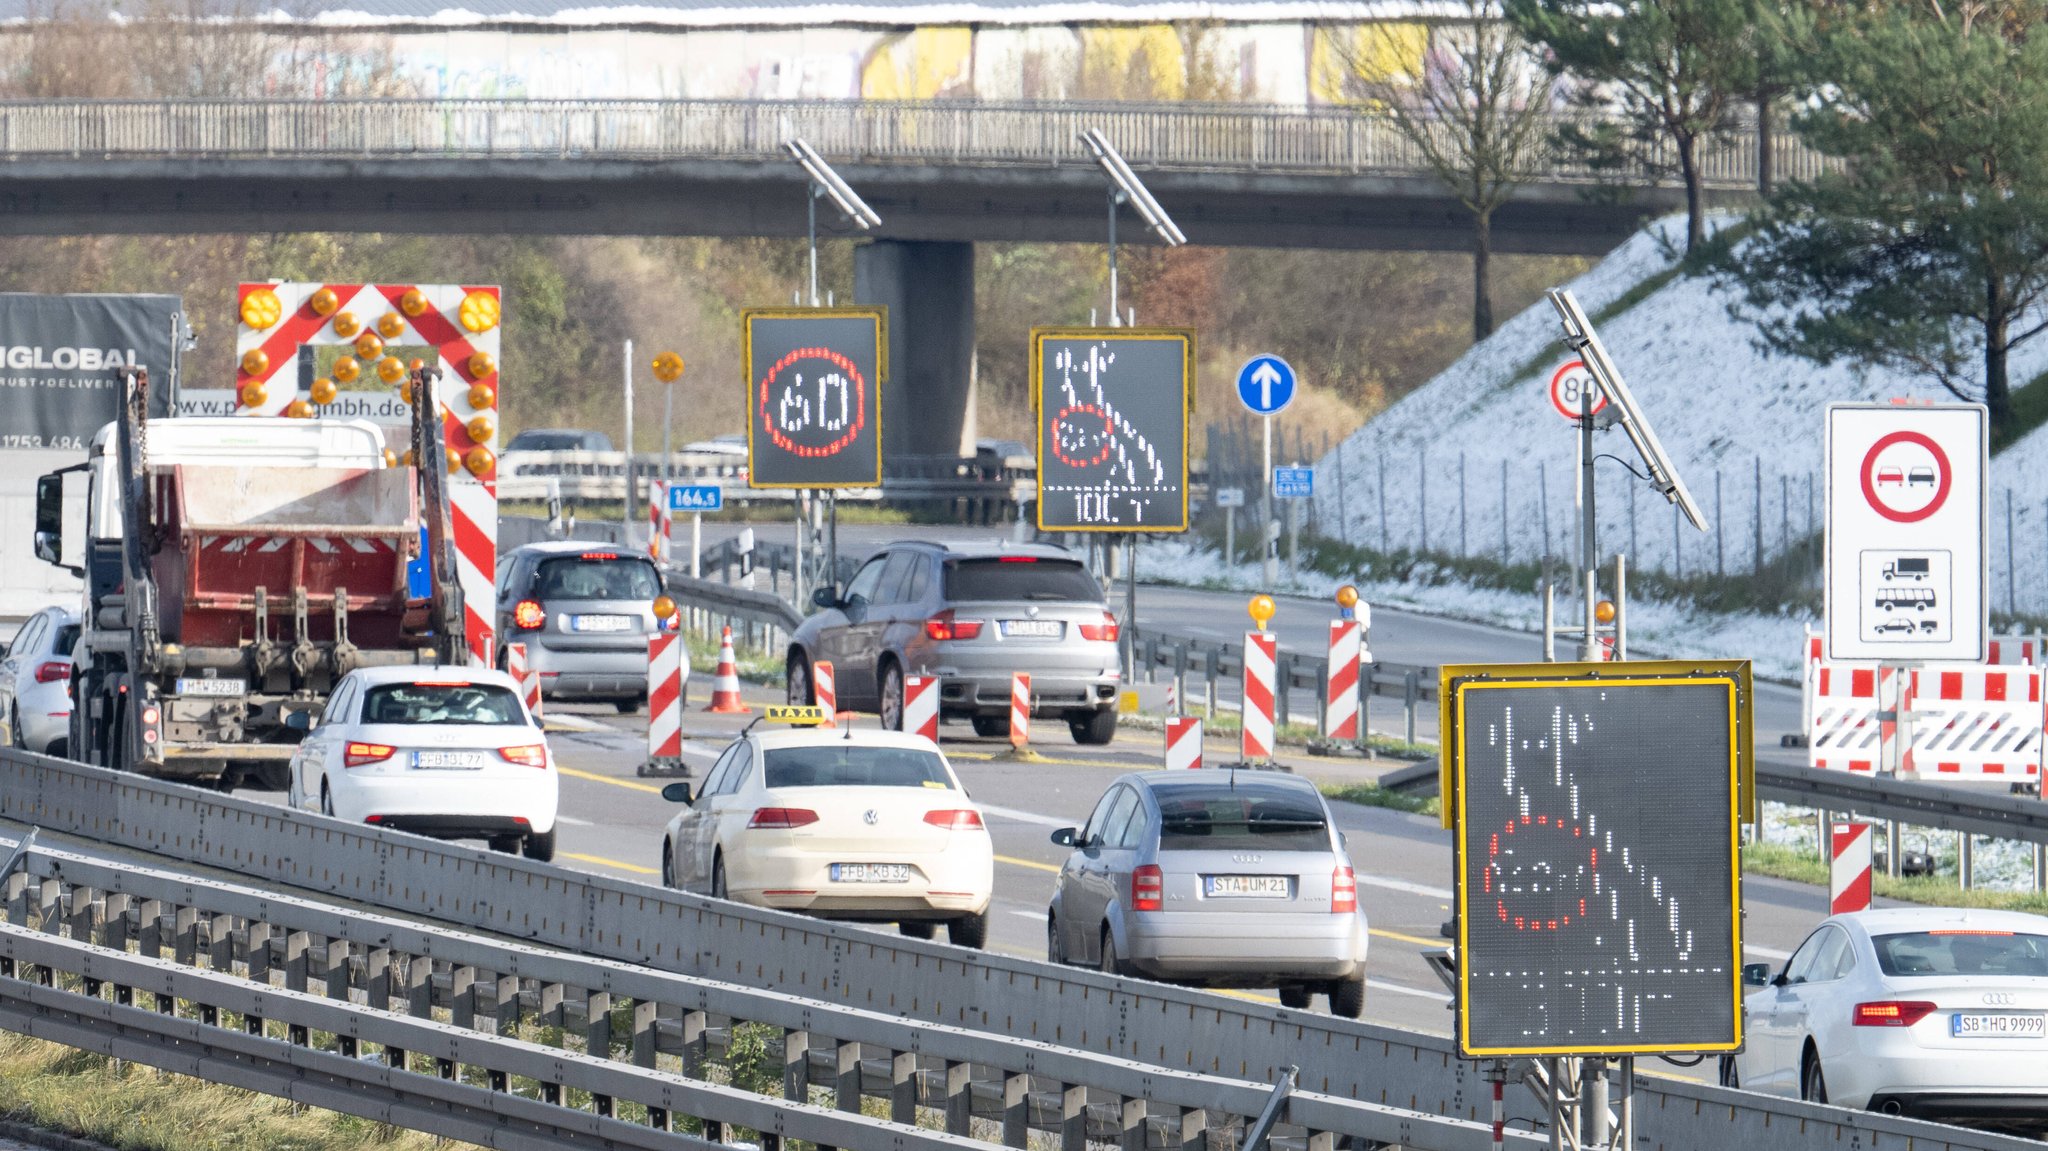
(839,823)
(449,752)
(35,682)
(1934,1012)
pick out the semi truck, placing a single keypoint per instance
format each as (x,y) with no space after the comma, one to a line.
(235,568)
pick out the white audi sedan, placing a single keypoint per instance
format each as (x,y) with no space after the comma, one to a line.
(841,823)
(1938,1013)
(449,752)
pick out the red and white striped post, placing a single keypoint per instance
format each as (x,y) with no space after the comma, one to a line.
(657,520)
(921,706)
(665,656)
(1849,868)
(1183,743)
(1261,659)
(527,678)
(1020,710)
(1340,695)
(825,691)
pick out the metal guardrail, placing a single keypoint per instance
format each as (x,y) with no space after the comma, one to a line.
(600,477)
(624,1033)
(1156,137)
(1033,1005)
(1944,807)
(1415,685)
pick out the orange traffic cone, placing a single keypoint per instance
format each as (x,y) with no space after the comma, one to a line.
(725,682)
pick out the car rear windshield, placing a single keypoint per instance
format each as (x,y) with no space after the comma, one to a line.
(597,575)
(468,703)
(852,765)
(1210,817)
(1962,951)
(1020,578)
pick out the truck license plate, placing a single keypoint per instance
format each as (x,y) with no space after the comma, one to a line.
(871,873)
(1033,628)
(212,686)
(1245,886)
(455,759)
(600,623)
(1999,1025)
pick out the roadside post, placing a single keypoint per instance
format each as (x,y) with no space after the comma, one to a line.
(1261,663)
(1341,718)
(1230,499)
(1266,385)
(1849,856)
(1293,484)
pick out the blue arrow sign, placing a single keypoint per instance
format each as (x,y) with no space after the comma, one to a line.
(1294,483)
(1265,384)
(696,498)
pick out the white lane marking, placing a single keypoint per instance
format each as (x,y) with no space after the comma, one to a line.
(1397,989)
(1766,952)
(1024,816)
(1037,916)
(1404,885)
(573,822)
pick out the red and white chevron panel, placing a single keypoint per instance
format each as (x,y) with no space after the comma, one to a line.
(1969,721)
(1848,731)
(1848,868)
(1183,743)
(401,316)
(1020,709)
(527,678)
(1261,661)
(825,689)
(921,706)
(665,661)
(2010,651)
(1340,711)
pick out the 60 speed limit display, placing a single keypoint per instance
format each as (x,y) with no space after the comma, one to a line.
(814,396)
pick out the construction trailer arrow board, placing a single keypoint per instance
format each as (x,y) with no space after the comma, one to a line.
(1568,388)
(1265,385)
(1599,894)
(1907,516)
(1112,408)
(814,396)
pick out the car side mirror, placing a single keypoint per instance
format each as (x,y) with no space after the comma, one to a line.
(1065,837)
(826,597)
(677,793)
(301,720)
(1756,975)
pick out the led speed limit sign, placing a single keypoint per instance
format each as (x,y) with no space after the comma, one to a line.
(814,396)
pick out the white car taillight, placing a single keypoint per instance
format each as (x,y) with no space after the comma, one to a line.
(1343,892)
(1148,888)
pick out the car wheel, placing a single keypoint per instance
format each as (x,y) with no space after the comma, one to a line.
(1347,998)
(60,747)
(541,848)
(968,931)
(1112,964)
(1054,953)
(891,704)
(915,928)
(668,864)
(796,678)
(326,799)
(718,876)
(991,726)
(629,705)
(1813,1086)
(1295,997)
(1731,1077)
(506,844)
(1098,729)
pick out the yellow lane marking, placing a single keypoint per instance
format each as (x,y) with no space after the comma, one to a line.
(601,861)
(1416,939)
(613,780)
(1030,863)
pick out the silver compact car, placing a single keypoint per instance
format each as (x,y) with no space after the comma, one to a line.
(584,612)
(970,615)
(1938,1013)
(1216,879)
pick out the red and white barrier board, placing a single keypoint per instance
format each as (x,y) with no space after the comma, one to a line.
(665,661)
(1020,710)
(1261,660)
(1849,868)
(1848,730)
(825,691)
(1340,710)
(2025,650)
(1183,743)
(1967,721)
(527,678)
(921,706)
(657,520)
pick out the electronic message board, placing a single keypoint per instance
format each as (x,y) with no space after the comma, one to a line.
(814,396)
(1112,407)
(1598,883)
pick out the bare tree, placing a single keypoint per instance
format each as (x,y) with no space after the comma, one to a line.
(1476,111)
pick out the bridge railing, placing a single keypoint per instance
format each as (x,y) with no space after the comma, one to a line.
(1189,136)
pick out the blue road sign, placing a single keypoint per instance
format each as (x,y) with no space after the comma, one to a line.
(1294,483)
(1265,384)
(695,498)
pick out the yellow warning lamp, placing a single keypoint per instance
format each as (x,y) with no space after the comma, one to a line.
(664,608)
(1604,611)
(368,346)
(416,364)
(261,309)
(1261,609)
(454,460)
(391,458)
(324,391)
(668,367)
(407,458)
(323,302)
(479,460)
(346,369)
(1347,601)
(479,312)
(252,395)
(255,362)
(391,325)
(298,410)
(414,303)
(390,369)
(480,429)
(346,325)
(482,396)
(482,366)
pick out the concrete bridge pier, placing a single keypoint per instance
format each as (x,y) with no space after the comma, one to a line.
(928,287)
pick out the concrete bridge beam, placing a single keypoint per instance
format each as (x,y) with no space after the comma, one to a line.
(928,288)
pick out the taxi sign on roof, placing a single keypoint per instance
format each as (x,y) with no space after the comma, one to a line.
(794,714)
